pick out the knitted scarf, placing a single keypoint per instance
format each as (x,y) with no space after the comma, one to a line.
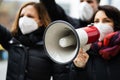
(109,47)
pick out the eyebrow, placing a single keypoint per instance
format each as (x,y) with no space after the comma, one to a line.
(107,18)
(89,0)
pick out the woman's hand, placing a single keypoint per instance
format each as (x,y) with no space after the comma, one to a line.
(81,59)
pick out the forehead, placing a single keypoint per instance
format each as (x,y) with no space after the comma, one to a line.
(29,9)
(101,14)
(86,0)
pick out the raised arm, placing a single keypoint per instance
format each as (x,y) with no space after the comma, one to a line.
(54,10)
(5,36)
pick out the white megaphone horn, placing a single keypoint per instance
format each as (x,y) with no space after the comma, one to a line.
(62,41)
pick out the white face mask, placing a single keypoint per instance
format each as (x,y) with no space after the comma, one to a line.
(104,30)
(85,11)
(27,25)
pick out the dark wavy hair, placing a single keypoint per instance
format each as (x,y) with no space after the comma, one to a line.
(112,13)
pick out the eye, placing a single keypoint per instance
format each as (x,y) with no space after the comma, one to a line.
(96,21)
(81,0)
(107,20)
(90,1)
(30,16)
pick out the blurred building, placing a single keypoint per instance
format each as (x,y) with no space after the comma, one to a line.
(8,10)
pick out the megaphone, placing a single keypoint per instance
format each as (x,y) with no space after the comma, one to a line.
(62,41)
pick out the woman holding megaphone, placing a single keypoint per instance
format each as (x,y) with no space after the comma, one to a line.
(102,60)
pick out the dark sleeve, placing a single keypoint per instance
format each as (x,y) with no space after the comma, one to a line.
(54,10)
(60,72)
(5,36)
(77,73)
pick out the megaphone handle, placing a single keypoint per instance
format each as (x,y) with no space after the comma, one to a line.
(86,47)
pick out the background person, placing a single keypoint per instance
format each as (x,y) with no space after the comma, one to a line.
(86,11)
(56,12)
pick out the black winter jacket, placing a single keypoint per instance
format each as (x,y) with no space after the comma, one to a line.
(100,69)
(30,61)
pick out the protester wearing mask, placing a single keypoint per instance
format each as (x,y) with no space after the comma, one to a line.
(86,11)
(56,12)
(104,57)
(27,57)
